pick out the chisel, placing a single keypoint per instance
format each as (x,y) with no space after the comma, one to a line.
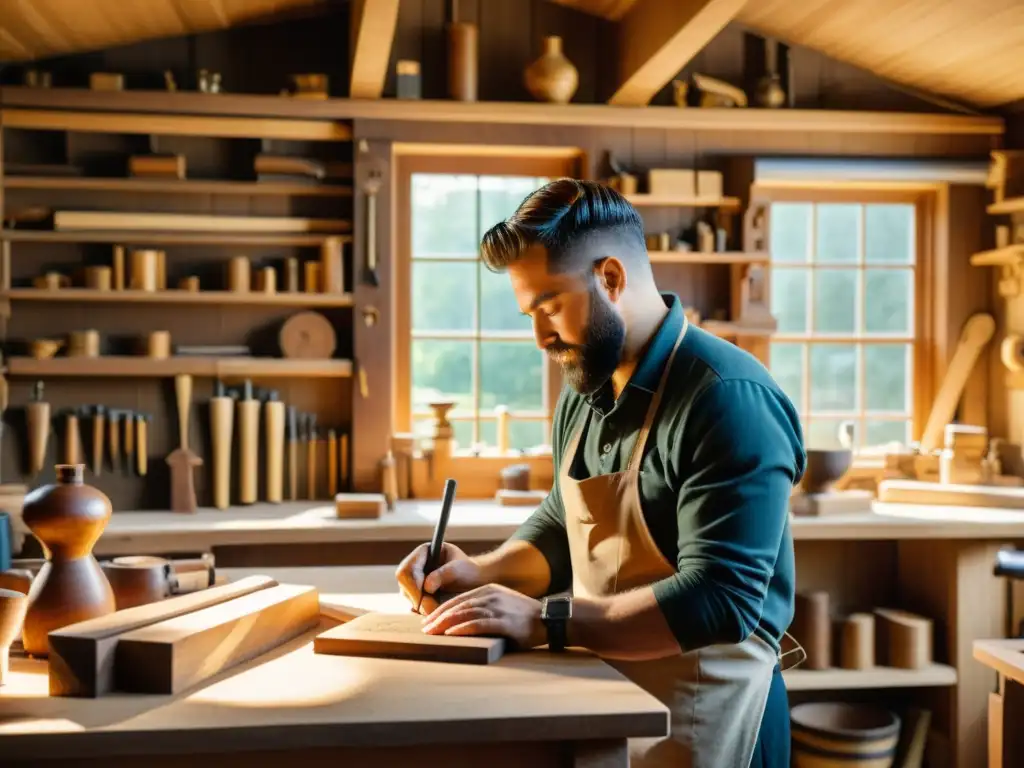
(114,438)
(142,443)
(311,457)
(98,419)
(293,453)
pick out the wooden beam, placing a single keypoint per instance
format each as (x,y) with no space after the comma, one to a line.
(373,33)
(657,39)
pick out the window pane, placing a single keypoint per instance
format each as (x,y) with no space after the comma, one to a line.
(837,233)
(501,195)
(522,435)
(789,299)
(889,234)
(882,432)
(790,231)
(889,300)
(511,375)
(835,301)
(833,377)
(444,215)
(787,367)
(442,370)
(822,434)
(499,310)
(886,377)
(443,296)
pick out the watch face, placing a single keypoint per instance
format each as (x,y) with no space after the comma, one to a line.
(558,608)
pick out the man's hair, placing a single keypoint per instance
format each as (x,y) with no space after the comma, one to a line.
(561,216)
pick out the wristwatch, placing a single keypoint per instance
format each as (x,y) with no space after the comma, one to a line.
(555,612)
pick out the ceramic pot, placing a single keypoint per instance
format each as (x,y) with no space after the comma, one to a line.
(67,517)
(552,77)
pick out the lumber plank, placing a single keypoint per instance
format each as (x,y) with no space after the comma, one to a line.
(81,655)
(176,654)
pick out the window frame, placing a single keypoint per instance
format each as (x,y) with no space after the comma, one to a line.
(554,162)
(924,199)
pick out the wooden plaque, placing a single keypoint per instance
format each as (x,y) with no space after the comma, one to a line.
(401,636)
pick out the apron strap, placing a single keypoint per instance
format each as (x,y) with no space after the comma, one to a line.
(652,410)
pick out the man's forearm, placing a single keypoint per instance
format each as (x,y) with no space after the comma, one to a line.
(517,565)
(629,626)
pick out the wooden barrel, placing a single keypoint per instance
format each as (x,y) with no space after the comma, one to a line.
(841,735)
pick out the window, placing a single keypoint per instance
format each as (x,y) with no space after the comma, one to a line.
(844,288)
(464,339)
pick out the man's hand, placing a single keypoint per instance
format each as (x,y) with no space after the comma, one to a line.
(491,610)
(457,572)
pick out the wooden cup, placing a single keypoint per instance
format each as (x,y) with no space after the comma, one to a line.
(52,281)
(145,270)
(99,278)
(190,284)
(239,274)
(266,280)
(312,269)
(462,61)
(13,606)
(158,345)
(84,344)
(138,580)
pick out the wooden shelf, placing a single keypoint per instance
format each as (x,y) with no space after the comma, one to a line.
(144,367)
(217,298)
(1013,205)
(729,330)
(695,257)
(937,675)
(507,113)
(677,201)
(165,238)
(999,257)
(173,186)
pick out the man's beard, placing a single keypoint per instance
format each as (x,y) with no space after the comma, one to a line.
(586,367)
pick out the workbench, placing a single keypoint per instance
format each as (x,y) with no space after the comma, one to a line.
(532,708)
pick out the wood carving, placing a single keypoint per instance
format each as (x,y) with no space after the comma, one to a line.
(359,506)
(401,636)
(903,639)
(307,336)
(81,659)
(754,311)
(12,613)
(172,655)
(812,628)
(857,641)
(182,460)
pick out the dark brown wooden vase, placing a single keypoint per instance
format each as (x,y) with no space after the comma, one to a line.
(67,518)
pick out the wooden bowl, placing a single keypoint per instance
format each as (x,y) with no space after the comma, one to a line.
(834,733)
(824,467)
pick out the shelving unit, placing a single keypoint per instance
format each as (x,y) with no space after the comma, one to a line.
(177,187)
(144,367)
(198,298)
(731,330)
(697,257)
(670,201)
(138,237)
(934,676)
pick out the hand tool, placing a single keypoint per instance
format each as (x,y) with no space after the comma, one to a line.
(437,542)
(98,420)
(273,415)
(142,443)
(248,444)
(371,188)
(222,419)
(38,418)
(311,457)
(332,464)
(129,442)
(293,453)
(343,461)
(114,438)
(182,460)
(72,437)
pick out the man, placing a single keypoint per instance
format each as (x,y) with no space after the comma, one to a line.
(675,453)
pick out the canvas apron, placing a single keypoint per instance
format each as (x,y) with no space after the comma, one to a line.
(717,694)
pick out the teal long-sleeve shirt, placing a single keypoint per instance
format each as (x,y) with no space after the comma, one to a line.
(723,455)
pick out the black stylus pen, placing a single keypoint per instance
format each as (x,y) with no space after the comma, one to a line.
(437,543)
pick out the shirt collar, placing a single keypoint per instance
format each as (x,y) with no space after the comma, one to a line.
(647,374)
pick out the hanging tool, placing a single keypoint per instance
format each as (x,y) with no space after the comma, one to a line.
(293,454)
(38,418)
(142,443)
(182,460)
(332,464)
(129,442)
(273,416)
(371,188)
(114,438)
(248,444)
(311,457)
(343,461)
(72,437)
(222,419)
(98,421)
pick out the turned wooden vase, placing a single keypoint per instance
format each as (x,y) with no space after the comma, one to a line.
(552,77)
(67,517)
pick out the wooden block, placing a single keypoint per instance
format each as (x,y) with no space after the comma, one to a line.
(401,636)
(918,492)
(81,656)
(672,181)
(995,730)
(709,185)
(106,81)
(176,654)
(508,498)
(902,639)
(359,505)
(812,628)
(191,222)
(159,166)
(857,641)
(831,503)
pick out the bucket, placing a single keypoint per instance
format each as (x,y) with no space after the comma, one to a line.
(841,735)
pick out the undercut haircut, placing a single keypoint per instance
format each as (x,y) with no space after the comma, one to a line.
(565,216)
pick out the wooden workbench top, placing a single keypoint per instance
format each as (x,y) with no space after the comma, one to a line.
(1004,656)
(313,523)
(292,698)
